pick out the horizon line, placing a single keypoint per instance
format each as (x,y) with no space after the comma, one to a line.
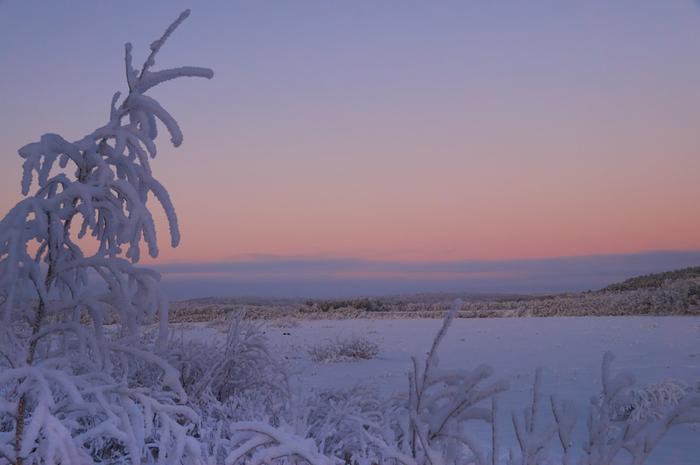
(342,277)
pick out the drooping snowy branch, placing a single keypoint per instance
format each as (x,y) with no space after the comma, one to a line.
(75,389)
(263,444)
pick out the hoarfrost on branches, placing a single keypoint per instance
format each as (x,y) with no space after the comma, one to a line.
(73,389)
(346,349)
(77,389)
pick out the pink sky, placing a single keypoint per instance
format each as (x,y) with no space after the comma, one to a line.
(424,132)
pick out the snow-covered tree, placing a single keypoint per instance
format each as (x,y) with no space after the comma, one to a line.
(74,390)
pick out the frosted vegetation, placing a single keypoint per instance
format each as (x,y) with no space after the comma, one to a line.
(344,349)
(75,391)
(89,373)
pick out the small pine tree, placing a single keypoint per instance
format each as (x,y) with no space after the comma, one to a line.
(74,390)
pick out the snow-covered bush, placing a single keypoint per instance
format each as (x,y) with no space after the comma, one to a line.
(624,423)
(650,402)
(239,367)
(237,380)
(336,420)
(73,390)
(441,404)
(612,435)
(344,350)
(320,427)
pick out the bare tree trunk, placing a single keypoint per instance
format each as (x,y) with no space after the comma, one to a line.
(22,404)
(34,341)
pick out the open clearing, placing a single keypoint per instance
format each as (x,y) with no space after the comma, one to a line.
(570,350)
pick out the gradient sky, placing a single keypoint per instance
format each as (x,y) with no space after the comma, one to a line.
(394,131)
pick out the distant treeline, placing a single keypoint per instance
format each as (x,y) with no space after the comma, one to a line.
(655,280)
(365,304)
(670,293)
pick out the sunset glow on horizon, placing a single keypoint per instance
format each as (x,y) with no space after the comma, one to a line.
(406,132)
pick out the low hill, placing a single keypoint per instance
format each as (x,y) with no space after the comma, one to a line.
(655,280)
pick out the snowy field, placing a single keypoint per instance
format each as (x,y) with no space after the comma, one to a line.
(570,351)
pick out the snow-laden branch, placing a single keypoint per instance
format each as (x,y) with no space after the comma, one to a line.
(76,389)
(264,444)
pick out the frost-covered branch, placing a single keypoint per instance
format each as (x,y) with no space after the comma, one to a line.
(265,444)
(441,402)
(75,389)
(531,435)
(565,417)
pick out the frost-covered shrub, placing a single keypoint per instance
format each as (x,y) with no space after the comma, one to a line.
(74,391)
(344,350)
(650,402)
(624,423)
(320,427)
(612,436)
(328,427)
(441,404)
(242,364)
(335,420)
(236,380)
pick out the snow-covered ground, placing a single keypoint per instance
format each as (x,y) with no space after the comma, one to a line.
(570,350)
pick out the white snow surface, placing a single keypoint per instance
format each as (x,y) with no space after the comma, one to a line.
(570,350)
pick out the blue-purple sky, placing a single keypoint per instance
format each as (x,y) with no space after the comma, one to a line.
(406,138)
